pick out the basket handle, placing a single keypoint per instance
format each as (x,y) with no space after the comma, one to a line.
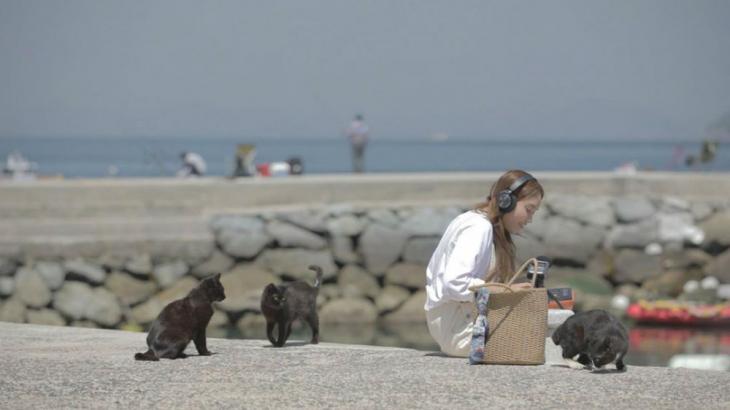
(507,285)
(524,265)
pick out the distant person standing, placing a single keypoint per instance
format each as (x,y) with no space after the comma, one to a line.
(358,134)
(193,165)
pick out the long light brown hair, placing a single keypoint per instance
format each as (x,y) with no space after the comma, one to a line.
(504,248)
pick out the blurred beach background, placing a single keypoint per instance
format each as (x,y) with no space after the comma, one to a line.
(119,89)
(159,157)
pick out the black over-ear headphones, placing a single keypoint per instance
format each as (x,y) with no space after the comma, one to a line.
(506,200)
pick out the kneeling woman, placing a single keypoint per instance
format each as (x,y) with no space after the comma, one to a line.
(476,248)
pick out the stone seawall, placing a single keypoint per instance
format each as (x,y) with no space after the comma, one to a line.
(97,268)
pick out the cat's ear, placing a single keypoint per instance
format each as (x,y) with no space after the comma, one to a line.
(217,276)
(270,288)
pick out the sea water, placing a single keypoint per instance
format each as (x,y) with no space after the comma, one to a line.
(158,156)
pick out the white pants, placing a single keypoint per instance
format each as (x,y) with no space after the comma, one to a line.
(450,325)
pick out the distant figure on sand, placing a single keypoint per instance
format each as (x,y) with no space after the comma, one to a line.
(193,165)
(358,134)
(18,167)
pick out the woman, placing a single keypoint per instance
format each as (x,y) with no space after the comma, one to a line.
(476,248)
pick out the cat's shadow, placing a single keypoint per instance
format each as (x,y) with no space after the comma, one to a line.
(188,355)
(287,344)
(597,371)
(441,355)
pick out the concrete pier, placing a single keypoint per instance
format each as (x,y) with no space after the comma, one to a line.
(61,367)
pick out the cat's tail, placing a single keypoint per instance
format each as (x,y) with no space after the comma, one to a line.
(317,281)
(148,355)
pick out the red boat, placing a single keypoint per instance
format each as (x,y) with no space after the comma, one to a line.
(672,312)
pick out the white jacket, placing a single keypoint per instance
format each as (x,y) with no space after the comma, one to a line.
(460,260)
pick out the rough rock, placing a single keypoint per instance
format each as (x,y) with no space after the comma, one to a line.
(243,286)
(289,235)
(295,262)
(410,312)
(717,228)
(635,235)
(601,264)
(140,265)
(72,299)
(104,308)
(720,267)
(590,210)
(219,319)
(252,326)
(348,310)
(167,274)
(7,266)
(329,291)
(633,209)
(685,259)
(356,281)
(88,272)
(310,220)
(78,300)
(242,237)
(381,246)
(343,250)
(13,310)
(528,247)
(419,250)
(113,261)
(674,204)
(668,284)
(567,239)
(384,217)
(429,221)
(537,228)
(701,210)
(191,253)
(391,298)
(146,312)
(632,266)
(177,291)
(7,286)
(52,273)
(218,262)
(45,317)
(408,275)
(129,290)
(678,227)
(31,289)
(347,225)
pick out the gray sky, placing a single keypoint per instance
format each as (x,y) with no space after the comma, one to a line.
(478,69)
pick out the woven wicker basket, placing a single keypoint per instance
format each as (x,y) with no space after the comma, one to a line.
(517,323)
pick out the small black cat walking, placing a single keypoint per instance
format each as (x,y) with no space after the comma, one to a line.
(282,305)
(182,321)
(596,337)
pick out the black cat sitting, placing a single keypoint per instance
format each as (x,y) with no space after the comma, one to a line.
(596,337)
(283,304)
(184,320)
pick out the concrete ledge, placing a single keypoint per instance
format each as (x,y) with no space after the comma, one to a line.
(205,196)
(54,367)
